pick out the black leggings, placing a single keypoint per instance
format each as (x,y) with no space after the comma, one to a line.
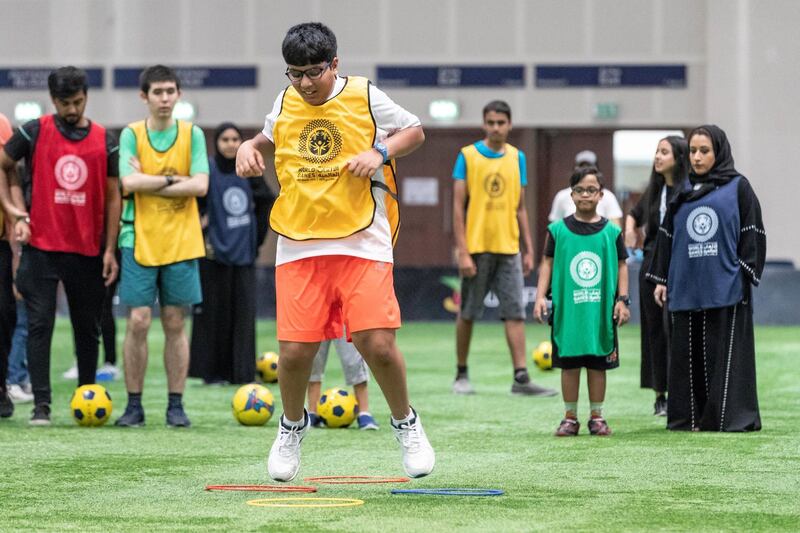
(37,279)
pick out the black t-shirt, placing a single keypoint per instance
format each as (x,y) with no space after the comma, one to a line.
(22,142)
(584,228)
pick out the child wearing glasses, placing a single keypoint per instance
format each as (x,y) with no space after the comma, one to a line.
(333,141)
(584,266)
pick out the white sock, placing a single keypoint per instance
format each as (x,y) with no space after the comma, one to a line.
(293,423)
(405,420)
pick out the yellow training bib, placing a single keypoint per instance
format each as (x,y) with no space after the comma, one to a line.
(493,187)
(319,197)
(167,230)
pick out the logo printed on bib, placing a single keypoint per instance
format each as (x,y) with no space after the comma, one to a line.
(585,269)
(494,185)
(320,141)
(234,200)
(702,224)
(71,172)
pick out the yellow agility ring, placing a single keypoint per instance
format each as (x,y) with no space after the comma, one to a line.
(297,502)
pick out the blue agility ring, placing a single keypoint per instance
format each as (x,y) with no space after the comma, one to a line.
(451,492)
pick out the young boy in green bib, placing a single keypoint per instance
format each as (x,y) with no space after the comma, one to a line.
(584,265)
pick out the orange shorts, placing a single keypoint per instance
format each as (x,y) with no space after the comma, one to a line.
(318,298)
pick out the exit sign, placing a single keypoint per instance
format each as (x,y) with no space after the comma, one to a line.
(606,110)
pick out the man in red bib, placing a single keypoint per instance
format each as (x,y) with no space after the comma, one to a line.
(68,227)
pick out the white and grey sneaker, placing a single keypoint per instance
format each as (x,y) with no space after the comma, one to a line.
(284,456)
(418,454)
(71,373)
(462,386)
(18,394)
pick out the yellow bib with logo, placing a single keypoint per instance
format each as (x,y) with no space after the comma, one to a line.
(167,230)
(319,197)
(493,187)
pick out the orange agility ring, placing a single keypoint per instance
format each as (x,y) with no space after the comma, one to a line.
(261,488)
(305,502)
(355,480)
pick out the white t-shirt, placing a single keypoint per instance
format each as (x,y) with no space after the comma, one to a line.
(374,242)
(563,206)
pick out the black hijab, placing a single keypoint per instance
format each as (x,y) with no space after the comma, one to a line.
(721,173)
(224,164)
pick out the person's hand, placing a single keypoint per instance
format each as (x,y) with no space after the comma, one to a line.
(365,164)
(135,164)
(527,263)
(466,266)
(660,294)
(621,313)
(540,310)
(22,231)
(110,267)
(249,161)
(17,294)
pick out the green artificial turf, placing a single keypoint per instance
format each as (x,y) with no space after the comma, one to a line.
(642,478)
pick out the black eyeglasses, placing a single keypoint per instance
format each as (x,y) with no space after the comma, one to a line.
(313,73)
(580,191)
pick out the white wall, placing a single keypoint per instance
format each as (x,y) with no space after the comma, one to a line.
(743,59)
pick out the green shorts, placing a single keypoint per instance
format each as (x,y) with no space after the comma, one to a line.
(177,284)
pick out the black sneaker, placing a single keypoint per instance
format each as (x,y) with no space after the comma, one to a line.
(176,417)
(6,406)
(660,407)
(40,415)
(133,417)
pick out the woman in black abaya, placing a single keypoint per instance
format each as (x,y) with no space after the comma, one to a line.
(710,252)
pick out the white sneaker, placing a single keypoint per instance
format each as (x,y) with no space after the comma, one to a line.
(462,386)
(72,373)
(18,394)
(107,372)
(284,456)
(418,455)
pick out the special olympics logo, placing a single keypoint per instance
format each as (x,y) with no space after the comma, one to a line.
(702,223)
(494,185)
(320,141)
(235,202)
(586,269)
(71,172)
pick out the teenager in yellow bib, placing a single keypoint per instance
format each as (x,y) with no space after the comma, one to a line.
(333,141)
(164,167)
(489,213)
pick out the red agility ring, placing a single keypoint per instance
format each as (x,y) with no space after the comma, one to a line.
(261,488)
(353,480)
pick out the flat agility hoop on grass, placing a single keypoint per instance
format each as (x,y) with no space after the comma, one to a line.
(352,480)
(261,488)
(451,492)
(296,502)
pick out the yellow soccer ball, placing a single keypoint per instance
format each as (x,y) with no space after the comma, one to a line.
(90,405)
(267,367)
(253,405)
(337,408)
(543,355)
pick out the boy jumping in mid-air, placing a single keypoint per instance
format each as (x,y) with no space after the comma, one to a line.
(333,141)
(584,262)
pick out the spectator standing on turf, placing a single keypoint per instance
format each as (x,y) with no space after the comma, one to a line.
(355,375)
(563,206)
(669,171)
(74,201)
(710,252)
(7,305)
(333,141)
(164,168)
(234,214)
(489,213)
(584,265)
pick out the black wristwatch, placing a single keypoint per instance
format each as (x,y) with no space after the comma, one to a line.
(170,179)
(624,299)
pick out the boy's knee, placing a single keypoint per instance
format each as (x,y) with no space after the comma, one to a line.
(139,322)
